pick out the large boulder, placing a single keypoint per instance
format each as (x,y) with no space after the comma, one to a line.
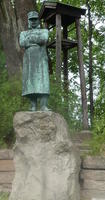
(47,164)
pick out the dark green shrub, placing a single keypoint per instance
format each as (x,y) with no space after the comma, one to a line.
(10,102)
(68,106)
(98,136)
(98,131)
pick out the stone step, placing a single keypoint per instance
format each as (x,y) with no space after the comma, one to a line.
(92,195)
(82,145)
(6,177)
(96,175)
(93,162)
(81,136)
(5,188)
(81,140)
(6,154)
(6,166)
(88,184)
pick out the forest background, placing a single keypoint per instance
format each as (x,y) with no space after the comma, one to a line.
(65,98)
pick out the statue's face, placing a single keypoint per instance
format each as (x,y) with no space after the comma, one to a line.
(34,22)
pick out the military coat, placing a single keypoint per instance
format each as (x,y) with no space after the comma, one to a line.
(35,62)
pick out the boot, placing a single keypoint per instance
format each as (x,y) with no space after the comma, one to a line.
(44,103)
(33,104)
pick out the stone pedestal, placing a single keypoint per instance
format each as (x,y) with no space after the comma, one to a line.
(47,164)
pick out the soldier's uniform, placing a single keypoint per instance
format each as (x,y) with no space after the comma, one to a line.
(35,62)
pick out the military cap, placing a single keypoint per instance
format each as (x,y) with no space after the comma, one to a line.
(32,14)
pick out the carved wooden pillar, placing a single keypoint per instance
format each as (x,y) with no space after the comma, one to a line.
(82,76)
(65,60)
(65,69)
(58,46)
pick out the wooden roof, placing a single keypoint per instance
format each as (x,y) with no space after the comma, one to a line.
(66,44)
(68,13)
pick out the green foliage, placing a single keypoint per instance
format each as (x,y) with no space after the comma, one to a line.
(10,102)
(67,105)
(4,196)
(98,132)
(2,57)
(98,138)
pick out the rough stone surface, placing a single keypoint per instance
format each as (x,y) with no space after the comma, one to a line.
(47,164)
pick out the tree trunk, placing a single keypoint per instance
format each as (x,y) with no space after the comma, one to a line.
(58,47)
(90,65)
(13,20)
(82,76)
(65,71)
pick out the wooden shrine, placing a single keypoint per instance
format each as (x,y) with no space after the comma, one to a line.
(61,16)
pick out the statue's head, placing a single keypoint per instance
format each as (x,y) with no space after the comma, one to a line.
(33,20)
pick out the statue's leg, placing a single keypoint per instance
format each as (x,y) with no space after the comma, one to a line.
(44,102)
(33,103)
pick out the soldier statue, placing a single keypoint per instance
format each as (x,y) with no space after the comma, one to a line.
(35,63)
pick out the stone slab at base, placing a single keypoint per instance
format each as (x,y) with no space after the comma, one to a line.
(47,164)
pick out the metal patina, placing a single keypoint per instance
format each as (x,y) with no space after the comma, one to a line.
(35,62)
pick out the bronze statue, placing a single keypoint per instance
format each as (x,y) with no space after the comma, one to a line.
(35,63)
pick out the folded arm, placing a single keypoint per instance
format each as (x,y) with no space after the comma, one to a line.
(31,37)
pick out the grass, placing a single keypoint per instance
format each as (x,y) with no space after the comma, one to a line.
(4,196)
